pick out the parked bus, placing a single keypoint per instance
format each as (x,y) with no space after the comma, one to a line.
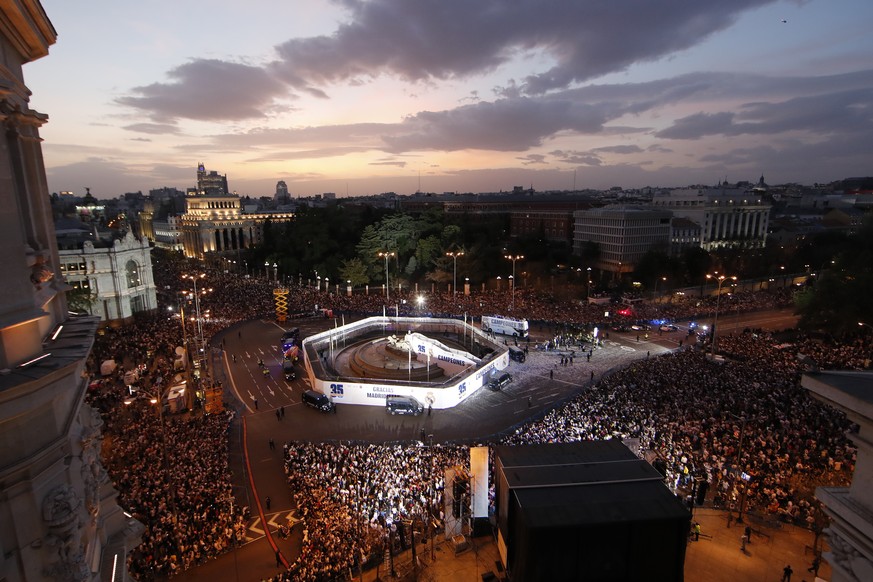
(504,325)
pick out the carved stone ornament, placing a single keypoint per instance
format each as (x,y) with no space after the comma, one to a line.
(40,273)
(93,473)
(848,558)
(66,557)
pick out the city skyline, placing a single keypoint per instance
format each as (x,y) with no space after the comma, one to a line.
(366,97)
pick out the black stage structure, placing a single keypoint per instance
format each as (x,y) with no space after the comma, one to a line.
(587,511)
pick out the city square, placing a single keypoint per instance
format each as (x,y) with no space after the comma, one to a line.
(325,291)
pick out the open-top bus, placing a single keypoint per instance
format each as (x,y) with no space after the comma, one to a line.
(505,325)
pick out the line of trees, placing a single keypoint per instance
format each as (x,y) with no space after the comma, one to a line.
(344,242)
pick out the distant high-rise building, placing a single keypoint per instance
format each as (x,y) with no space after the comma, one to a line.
(61,520)
(281,191)
(211,183)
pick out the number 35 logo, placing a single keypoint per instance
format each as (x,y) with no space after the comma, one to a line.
(336,389)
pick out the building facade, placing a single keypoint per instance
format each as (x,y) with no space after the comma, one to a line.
(684,235)
(118,276)
(59,512)
(551,220)
(211,182)
(216,223)
(623,234)
(850,509)
(728,217)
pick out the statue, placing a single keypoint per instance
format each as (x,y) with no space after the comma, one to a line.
(40,273)
(60,511)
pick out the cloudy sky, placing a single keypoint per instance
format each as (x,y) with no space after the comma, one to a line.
(368,96)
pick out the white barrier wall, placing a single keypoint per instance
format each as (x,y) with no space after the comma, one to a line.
(373,393)
(445,396)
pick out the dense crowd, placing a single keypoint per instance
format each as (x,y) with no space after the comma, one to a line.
(351,494)
(171,471)
(705,420)
(684,409)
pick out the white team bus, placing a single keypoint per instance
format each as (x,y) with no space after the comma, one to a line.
(504,325)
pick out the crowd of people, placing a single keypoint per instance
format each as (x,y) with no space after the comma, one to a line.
(707,421)
(351,495)
(684,409)
(172,474)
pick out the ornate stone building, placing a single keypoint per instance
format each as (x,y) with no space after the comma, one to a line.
(117,273)
(216,223)
(850,509)
(59,519)
(727,217)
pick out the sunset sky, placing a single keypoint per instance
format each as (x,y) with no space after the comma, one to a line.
(364,97)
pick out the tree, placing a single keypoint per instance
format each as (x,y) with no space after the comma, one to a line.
(354,270)
(838,299)
(428,251)
(697,263)
(80,299)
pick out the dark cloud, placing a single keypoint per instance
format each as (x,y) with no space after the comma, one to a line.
(208,89)
(443,39)
(532,159)
(519,124)
(503,125)
(434,40)
(698,125)
(620,149)
(838,111)
(577,158)
(398,163)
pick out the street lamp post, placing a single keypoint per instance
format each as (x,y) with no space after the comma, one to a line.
(386,255)
(199,347)
(742,419)
(267,269)
(655,291)
(513,258)
(588,286)
(721,279)
(275,273)
(455,256)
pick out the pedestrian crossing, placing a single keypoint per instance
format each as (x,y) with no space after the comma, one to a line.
(255,528)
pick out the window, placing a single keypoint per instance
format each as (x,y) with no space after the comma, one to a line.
(132,273)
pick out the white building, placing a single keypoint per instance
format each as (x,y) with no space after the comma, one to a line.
(727,216)
(59,517)
(118,275)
